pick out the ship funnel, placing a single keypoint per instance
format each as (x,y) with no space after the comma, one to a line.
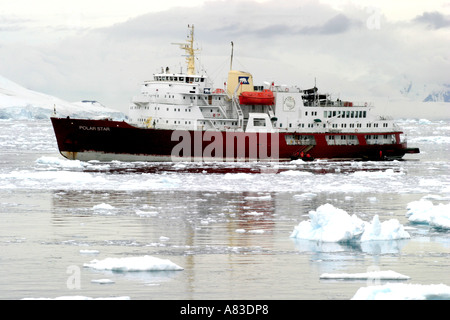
(241,78)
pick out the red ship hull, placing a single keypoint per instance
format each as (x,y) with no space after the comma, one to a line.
(106,140)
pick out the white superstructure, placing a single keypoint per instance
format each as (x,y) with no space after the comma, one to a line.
(191,102)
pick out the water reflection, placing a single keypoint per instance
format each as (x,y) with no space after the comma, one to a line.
(368,247)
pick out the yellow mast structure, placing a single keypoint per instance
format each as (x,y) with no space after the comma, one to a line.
(189,48)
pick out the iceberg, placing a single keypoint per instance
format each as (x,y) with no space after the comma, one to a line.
(425,212)
(131,264)
(402,291)
(382,231)
(330,224)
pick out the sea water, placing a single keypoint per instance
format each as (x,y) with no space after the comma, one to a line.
(227,225)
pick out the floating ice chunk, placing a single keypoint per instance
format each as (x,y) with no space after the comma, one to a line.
(86,251)
(296,173)
(102,281)
(330,224)
(239,230)
(376,174)
(237,176)
(257,231)
(419,211)
(261,198)
(60,163)
(146,213)
(254,213)
(387,230)
(373,275)
(423,211)
(103,206)
(402,291)
(305,196)
(145,263)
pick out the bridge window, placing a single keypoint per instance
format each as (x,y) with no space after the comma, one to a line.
(259,122)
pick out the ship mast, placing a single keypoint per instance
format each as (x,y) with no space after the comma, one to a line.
(189,48)
(231,62)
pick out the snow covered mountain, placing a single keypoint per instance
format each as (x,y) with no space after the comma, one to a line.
(442,95)
(426,93)
(17,102)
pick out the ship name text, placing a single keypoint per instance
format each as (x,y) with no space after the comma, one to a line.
(91,128)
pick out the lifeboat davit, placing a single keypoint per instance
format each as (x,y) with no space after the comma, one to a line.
(264,97)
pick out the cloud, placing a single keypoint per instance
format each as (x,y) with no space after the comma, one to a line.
(338,24)
(287,42)
(11,23)
(434,20)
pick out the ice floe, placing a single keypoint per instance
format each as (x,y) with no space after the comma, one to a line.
(89,251)
(372,275)
(330,224)
(103,206)
(129,264)
(102,281)
(56,173)
(425,212)
(403,291)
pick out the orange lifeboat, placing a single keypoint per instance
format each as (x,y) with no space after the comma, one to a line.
(264,97)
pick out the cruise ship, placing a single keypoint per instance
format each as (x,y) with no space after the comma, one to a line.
(184,117)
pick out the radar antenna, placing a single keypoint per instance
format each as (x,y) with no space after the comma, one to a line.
(188,46)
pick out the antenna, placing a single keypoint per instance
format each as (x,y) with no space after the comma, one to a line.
(189,48)
(231,62)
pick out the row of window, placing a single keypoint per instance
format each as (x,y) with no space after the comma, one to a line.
(233,123)
(158,108)
(205,98)
(179,79)
(380,139)
(152,122)
(342,140)
(299,140)
(338,125)
(345,114)
(379,136)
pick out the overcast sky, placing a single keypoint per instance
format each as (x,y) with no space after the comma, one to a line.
(102,50)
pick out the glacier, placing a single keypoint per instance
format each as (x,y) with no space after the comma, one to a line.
(19,103)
